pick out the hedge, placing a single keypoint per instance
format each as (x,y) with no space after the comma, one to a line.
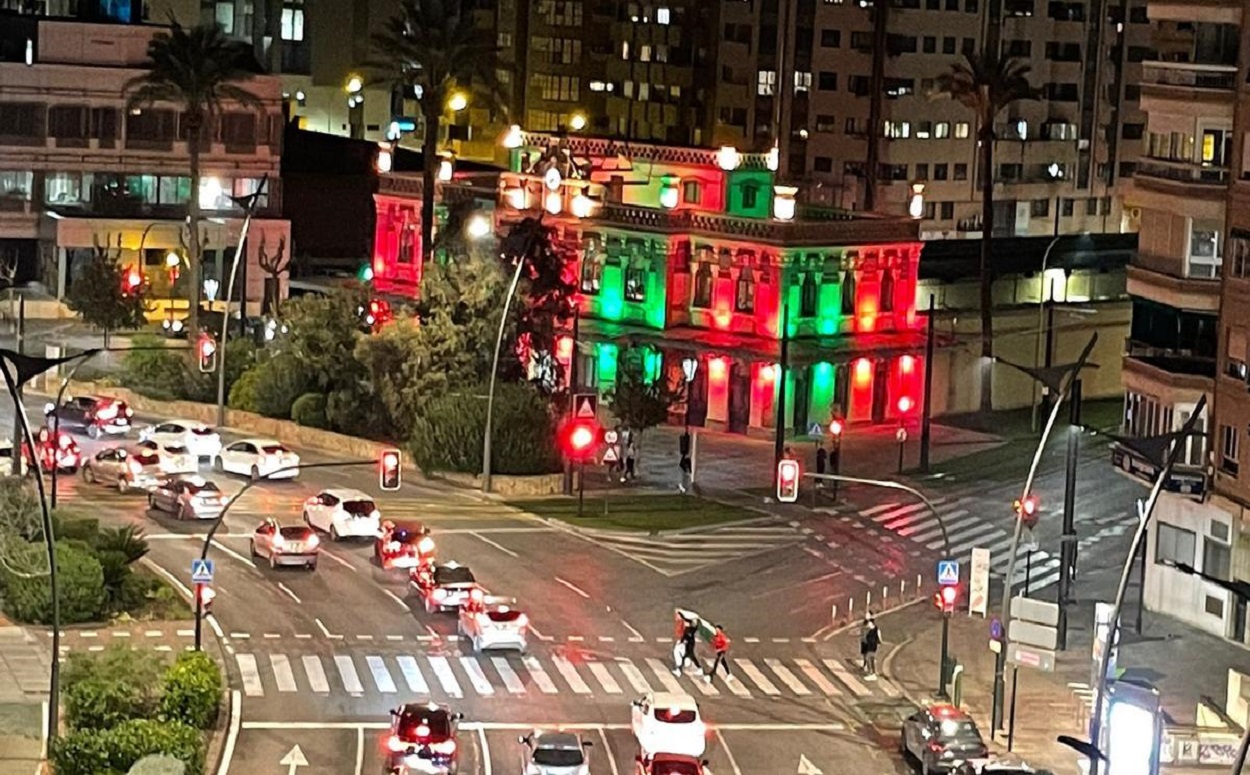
(81,582)
(310,410)
(192,690)
(447,436)
(103,690)
(116,750)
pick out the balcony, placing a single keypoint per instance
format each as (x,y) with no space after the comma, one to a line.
(1189,76)
(843,229)
(1181,172)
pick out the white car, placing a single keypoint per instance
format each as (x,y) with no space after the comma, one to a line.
(667,722)
(173,459)
(258,458)
(343,513)
(201,440)
(493,623)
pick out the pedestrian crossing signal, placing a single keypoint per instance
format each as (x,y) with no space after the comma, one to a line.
(945,599)
(787,481)
(389,476)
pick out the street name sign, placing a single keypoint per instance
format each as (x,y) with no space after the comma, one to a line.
(201,571)
(1029,656)
(948,572)
(1032,634)
(585,406)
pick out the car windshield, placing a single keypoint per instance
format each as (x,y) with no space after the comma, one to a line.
(202,431)
(436,725)
(275,449)
(675,715)
(958,731)
(176,449)
(145,460)
(558,757)
(295,532)
(459,574)
(504,616)
(194,488)
(359,508)
(675,768)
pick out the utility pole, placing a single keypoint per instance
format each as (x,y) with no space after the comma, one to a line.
(1067,547)
(779,440)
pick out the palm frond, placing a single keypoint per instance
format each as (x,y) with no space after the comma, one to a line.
(198,68)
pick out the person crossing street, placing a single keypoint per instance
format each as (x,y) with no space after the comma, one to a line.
(720,644)
(683,651)
(869,642)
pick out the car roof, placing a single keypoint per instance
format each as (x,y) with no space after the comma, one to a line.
(347,494)
(182,421)
(674,700)
(560,740)
(263,442)
(947,712)
(418,708)
(674,757)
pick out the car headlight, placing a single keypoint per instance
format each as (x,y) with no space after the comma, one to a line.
(947,754)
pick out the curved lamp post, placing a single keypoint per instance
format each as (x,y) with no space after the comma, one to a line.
(248,203)
(18,369)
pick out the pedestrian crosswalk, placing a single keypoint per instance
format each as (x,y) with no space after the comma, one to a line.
(673,554)
(966,529)
(443,677)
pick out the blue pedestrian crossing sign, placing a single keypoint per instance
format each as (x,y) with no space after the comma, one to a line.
(201,571)
(948,572)
(815,430)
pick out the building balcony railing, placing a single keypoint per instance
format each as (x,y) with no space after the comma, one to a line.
(1181,172)
(1194,76)
(845,228)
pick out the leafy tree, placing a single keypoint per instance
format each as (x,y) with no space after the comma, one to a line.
(546,293)
(100,296)
(986,84)
(638,403)
(322,334)
(199,69)
(310,410)
(447,435)
(279,381)
(434,49)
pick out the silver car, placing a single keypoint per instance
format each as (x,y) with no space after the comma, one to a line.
(286,544)
(554,753)
(190,497)
(125,469)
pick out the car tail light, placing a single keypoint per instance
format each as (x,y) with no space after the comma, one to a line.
(313,541)
(106,411)
(425,545)
(446,747)
(134,466)
(395,744)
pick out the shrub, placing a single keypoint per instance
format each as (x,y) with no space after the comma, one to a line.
(243,393)
(105,689)
(81,582)
(447,436)
(74,529)
(282,379)
(159,372)
(356,412)
(127,540)
(94,752)
(115,571)
(192,690)
(310,410)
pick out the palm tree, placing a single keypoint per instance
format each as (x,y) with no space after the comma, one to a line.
(986,84)
(197,69)
(432,49)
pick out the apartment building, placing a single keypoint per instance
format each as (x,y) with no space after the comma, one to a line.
(1191,316)
(80,173)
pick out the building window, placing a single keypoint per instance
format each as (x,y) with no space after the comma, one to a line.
(15,185)
(1040,208)
(802,81)
(1216,553)
(223,14)
(826,123)
(1173,545)
(1213,605)
(744,299)
(941,171)
(827,81)
(961,172)
(830,38)
(750,196)
(961,130)
(848,293)
(592,273)
(293,20)
(898,130)
(809,293)
(766,83)
(1229,443)
(635,283)
(922,172)
(1065,206)
(823,164)
(887,289)
(663,15)
(947,210)
(703,286)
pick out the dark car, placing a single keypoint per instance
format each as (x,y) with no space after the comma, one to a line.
(672,764)
(93,415)
(422,739)
(941,738)
(403,545)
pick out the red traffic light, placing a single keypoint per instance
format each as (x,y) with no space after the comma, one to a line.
(134,279)
(905,404)
(1026,509)
(389,476)
(835,427)
(580,438)
(945,599)
(207,349)
(787,481)
(206,595)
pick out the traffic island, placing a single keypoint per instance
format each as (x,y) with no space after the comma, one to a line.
(639,513)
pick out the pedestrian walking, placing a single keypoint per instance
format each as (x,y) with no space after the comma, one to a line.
(720,644)
(686,481)
(631,461)
(685,647)
(822,462)
(869,641)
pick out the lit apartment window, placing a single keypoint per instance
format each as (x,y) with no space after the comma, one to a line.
(663,15)
(802,81)
(898,130)
(644,53)
(625,50)
(766,83)
(598,86)
(961,130)
(924,130)
(224,16)
(293,20)
(941,130)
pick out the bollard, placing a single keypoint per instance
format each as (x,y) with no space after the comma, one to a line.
(885,592)
(850,609)
(918,584)
(902,589)
(957,679)
(833,614)
(867,603)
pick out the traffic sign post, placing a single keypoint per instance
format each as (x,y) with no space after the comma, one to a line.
(1032,634)
(585,406)
(948,573)
(202,571)
(947,579)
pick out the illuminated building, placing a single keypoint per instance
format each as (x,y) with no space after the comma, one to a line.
(679,258)
(78,170)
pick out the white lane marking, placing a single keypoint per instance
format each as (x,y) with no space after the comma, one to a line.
(536,671)
(571,675)
(495,544)
(510,679)
(442,671)
(325,630)
(412,674)
(634,676)
(605,679)
(245,560)
(815,676)
(572,587)
(316,674)
(634,635)
(232,737)
(842,674)
(339,560)
(347,672)
(250,673)
(282,673)
(889,688)
(486,762)
(607,749)
(665,676)
(396,598)
(748,668)
(381,676)
(477,676)
(153,633)
(704,686)
(360,751)
(733,763)
(880,507)
(736,688)
(291,594)
(787,677)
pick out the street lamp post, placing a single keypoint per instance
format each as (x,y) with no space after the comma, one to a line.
(249,204)
(779,440)
(494,371)
(926,412)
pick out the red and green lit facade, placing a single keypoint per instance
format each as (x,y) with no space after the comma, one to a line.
(682,259)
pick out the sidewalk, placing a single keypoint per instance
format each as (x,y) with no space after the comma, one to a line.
(24,666)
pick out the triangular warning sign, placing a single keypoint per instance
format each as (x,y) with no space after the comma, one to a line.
(610,456)
(585,409)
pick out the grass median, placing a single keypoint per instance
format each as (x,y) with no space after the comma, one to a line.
(642,513)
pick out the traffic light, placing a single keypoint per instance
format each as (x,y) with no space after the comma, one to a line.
(945,599)
(835,428)
(1026,510)
(205,594)
(580,438)
(787,481)
(905,404)
(132,281)
(389,476)
(207,350)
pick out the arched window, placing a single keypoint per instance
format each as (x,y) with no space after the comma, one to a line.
(809,293)
(635,281)
(848,292)
(887,290)
(703,286)
(744,299)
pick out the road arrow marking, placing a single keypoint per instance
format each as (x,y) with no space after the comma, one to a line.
(295,758)
(805,766)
